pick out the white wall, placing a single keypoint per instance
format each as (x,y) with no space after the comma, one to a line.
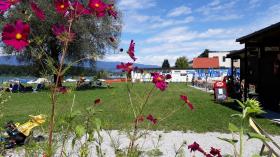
(221,55)
(177,76)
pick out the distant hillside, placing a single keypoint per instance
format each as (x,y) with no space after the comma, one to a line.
(100,65)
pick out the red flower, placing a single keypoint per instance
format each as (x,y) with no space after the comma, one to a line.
(215,152)
(125,67)
(98,6)
(131,50)
(97,101)
(209,155)
(16,35)
(151,118)
(195,147)
(112,39)
(37,11)
(13,2)
(159,81)
(185,98)
(61,32)
(79,10)
(111,11)
(61,6)
(6,4)
(168,76)
(139,119)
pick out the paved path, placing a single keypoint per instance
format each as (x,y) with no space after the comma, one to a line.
(170,141)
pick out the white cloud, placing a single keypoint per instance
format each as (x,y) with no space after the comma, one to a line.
(136,4)
(138,23)
(171,22)
(182,34)
(156,54)
(217,11)
(214,3)
(183,10)
(254,3)
(225,17)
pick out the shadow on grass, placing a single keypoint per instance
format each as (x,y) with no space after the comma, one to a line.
(93,88)
(232,105)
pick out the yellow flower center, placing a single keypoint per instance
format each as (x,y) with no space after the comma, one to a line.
(159,78)
(18,36)
(62,6)
(97,5)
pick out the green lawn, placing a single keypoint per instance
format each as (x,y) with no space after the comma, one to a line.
(207,116)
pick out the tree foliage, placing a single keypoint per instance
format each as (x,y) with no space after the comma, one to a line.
(94,37)
(165,64)
(182,62)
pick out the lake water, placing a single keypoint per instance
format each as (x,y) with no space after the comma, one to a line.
(22,79)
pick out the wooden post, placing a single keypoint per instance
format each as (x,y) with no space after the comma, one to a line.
(246,85)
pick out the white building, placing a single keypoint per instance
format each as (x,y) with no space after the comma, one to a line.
(223,61)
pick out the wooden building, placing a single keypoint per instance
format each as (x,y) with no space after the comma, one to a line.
(260,65)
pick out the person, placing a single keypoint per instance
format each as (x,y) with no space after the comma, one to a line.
(81,81)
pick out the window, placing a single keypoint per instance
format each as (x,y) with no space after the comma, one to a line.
(224,58)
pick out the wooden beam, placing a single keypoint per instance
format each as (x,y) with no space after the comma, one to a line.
(246,85)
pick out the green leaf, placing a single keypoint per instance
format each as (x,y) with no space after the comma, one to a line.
(76,113)
(154,153)
(233,128)
(244,113)
(80,131)
(252,135)
(98,123)
(236,115)
(240,103)
(256,155)
(231,141)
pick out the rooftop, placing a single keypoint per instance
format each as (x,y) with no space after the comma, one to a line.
(203,63)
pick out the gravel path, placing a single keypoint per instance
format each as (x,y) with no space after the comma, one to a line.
(169,142)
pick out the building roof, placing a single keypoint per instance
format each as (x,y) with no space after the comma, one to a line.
(272,28)
(236,54)
(200,63)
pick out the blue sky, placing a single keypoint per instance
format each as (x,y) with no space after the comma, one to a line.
(168,29)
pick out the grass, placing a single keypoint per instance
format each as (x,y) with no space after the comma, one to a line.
(207,116)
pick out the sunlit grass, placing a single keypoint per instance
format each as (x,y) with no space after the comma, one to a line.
(207,116)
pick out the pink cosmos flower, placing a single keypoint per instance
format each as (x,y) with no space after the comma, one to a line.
(61,33)
(215,152)
(6,4)
(98,7)
(16,35)
(111,11)
(61,6)
(185,98)
(125,67)
(37,11)
(159,81)
(131,50)
(195,147)
(151,119)
(78,10)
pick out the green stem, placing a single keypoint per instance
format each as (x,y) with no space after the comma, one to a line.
(241,139)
